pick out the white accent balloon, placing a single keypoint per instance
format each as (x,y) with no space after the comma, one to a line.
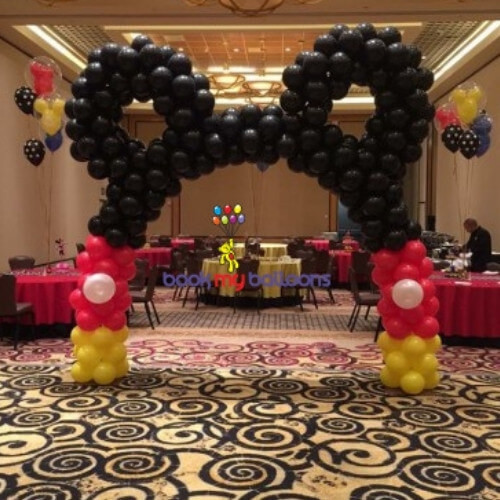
(407,294)
(99,288)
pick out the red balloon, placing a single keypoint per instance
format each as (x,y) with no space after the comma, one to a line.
(121,287)
(426,268)
(396,327)
(431,306)
(123,302)
(382,277)
(429,288)
(107,266)
(385,259)
(77,300)
(428,327)
(406,271)
(81,280)
(84,263)
(123,255)
(115,321)
(87,320)
(387,307)
(414,252)
(127,272)
(386,292)
(105,309)
(446,115)
(412,316)
(98,247)
(227,209)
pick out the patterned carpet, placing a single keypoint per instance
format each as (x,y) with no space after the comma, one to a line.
(261,413)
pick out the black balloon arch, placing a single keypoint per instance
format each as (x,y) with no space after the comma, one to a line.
(365,172)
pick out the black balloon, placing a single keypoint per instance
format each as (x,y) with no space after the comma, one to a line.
(24,98)
(468,144)
(34,151)
(451,137)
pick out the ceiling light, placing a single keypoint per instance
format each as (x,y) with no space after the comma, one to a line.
(50,3)
(248,7)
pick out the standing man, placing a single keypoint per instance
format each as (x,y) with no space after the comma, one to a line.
(479,244)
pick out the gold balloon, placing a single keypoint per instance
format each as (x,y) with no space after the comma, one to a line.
(432,380)
(412,382)
(104,373)
(397,362)
(58,106)
(122,368)
(121,335)
(387,343)
(426,364)
(41,105)
(103,337)
(50,122)
(433,344)
(80,374)
(458,95)
(115,353)
(79,336)
(88,356)
(413,346)
(467,110)
(388,378)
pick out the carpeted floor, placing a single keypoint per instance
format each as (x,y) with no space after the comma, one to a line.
(265,413)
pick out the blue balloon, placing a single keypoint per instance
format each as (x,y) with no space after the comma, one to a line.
(482,124)
(484,144)
(217,210)
(54,142)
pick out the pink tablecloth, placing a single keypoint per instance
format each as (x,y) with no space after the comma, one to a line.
(469,308)
(177,242)
(343,260)
(319,244)
(49,296)
(158,256)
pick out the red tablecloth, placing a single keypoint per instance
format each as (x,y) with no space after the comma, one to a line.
(157,256)
(177,242)
(49,296)
(469,308)
(319,244)
(343,260)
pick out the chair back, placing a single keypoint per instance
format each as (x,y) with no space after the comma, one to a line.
(164,241)
(353,282)
(305,254)
(80,247)
(199,243)
(21,262)
(194,263)
(360,262)
(253,249)
(206,253)
(141,274)
(323,262)
(7,294)
(493,266)
(178,262)
(308,265)
(150,289)
(247,266)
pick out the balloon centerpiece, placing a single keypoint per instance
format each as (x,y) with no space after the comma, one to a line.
(366,173)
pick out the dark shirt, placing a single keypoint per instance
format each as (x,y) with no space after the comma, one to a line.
(480,245)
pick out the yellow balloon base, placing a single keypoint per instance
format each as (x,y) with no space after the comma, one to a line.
(410,364)
(101,355)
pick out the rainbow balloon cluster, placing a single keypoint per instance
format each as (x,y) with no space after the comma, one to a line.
(408,307)
(100,302)
(228,218)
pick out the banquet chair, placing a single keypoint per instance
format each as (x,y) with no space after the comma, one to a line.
(9,308)
(21,262)
(138,282)
(307,266)
(194,265)
(325,265)
(177,266)
(359,263)
(164,241)
(246,267)
(146,297)
(361,299)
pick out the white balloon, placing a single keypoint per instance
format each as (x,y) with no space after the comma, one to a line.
(99,288)
(407,294)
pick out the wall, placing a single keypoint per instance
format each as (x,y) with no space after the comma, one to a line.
(25,189)
(471,188)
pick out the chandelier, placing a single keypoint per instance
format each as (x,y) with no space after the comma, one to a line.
(249,8)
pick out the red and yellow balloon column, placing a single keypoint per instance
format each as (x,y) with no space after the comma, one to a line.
(100,302)
(408,307)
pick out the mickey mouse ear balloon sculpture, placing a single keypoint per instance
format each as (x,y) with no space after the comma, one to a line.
(365,172)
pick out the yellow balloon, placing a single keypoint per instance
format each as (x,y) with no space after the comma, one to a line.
(433,344)
(388,378)
(58,106)
(115,353)
(80,374)
(387,343)
(412,382)
(432,380)
(75,350)
(426,364)
(50,122)
(79,336)
(41,105)
(413,346)
(122,368)
(475,93)
(121,335)
(458,96)
(237,209)
(89,356)
(103,337)
(104,373)
(397,362)
(467,110)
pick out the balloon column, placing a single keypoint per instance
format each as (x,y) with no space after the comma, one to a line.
(465,125)
(228,218)
(100,302)
(44,75)
(366,172)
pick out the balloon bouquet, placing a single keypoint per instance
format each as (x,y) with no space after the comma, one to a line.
(465,124)
(41,100)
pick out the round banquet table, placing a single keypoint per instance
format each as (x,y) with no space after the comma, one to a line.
(178,242)
(272,250)
(343,260)
(319,244)
(156,256)
(49,295)
(468,308)
(266,266)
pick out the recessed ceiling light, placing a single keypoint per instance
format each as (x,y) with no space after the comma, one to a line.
(181,49)
(287,49)
(236,49)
